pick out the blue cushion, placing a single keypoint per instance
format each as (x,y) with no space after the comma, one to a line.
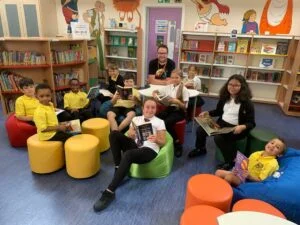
(282,192)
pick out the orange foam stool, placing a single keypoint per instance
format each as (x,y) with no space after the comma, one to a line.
(256,206)
(100,128)
(207,189)
(201,214)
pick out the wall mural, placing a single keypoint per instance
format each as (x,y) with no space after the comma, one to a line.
(250,26)
(70,12)
(277,17)
(126,9)
(210,11)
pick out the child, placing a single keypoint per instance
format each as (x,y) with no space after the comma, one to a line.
(76,102)
(124,107)
(193,82)
(176,110)
(132,153)
(45,118)
(27,103)
(261,165)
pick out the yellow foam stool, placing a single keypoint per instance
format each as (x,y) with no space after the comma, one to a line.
(100,128)
(45,156)
(82,156)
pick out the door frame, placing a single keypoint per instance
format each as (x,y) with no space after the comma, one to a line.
(146,27)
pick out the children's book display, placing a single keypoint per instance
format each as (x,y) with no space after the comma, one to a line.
(240,166)
(268,49)
(124,92)
(211,127)
(143,131)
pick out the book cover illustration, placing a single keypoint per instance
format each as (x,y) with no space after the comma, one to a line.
(268,49)
(143,131)
(240,166)
(202,58)
(93,92)
(267,63)
(231,46)
(282,48)
(73,126)
(230,59)
(124,92)
(242,46)
(211,127)
(255,48)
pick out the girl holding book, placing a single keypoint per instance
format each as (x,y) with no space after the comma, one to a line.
(175,110)
(133,151)
(234,109)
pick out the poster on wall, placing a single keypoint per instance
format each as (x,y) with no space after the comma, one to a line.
(80,30)
(159,40)
(161,26)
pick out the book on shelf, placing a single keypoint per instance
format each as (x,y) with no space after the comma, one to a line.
(202,58)
(163,99)
(211,127)
(131,52)
(116,40)
(231,46)
(267,48)
(124,92)
(267,63)
(93,92)
(217,72)
(255,48)
(123,40)
(282,48)
(221,46)
(9,81)
(143,131)
(230,59)
(240,166)
(206,45)
(242,46)
(130,41)
(73,126)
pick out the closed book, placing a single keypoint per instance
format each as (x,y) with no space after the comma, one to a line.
(143,131)
(267,63)
(124,92)
(282,48)
(240,166)
(268,49)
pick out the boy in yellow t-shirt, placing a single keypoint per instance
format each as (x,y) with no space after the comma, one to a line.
(76,102)
(48,128)
(27,103)
(261,165)
(122,106)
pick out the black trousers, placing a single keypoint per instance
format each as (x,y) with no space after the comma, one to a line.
(61,136)
(82,114)
(225,142)
(171,116)
(131,154)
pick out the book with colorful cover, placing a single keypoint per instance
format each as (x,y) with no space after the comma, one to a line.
(93,92)
(242,46)
(231,46)
(267,63)
(143,131)
(282,48)
(240,166)
(73,126)
(268,48)
(124,92)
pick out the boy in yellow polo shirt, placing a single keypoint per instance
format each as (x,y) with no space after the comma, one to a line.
(261,165)
(48,128)
(27,103)
(124,107)
(76,102)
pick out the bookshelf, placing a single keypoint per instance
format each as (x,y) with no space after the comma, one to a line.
(261,59)
(123,48)
(45,60)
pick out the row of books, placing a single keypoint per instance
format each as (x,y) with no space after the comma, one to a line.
(67,56)
(9,81)
(131,52)
(264,76)
(194,57)
(199,45)
(10,103)
(63,79)
(239,46)
(224,59)
(125,64)
(21,58)
(202,71)
(122,41)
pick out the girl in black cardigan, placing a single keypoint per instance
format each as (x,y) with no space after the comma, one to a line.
(235,109)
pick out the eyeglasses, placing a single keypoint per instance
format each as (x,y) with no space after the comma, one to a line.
(162,53)
(234,85)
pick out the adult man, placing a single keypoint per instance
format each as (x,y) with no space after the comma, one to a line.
(160,68)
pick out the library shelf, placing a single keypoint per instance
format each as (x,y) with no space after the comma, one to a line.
(31,66)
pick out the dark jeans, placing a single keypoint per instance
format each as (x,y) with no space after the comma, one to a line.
(82,114)
(225,142)
(61,136)
(131,154)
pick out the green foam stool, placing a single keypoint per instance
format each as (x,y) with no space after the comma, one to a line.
(258,138)
(159,167)
(241,145)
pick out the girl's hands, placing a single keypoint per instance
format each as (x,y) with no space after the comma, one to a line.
(203,114)
(239,128)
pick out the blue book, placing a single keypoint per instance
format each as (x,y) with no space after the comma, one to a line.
(231,46)
(266,63)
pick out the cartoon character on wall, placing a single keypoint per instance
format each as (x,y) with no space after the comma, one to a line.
(95,17)
(276,17)
(126,9)
(250,26)
(210,11)
(70,12)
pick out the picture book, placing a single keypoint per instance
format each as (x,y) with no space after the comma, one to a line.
(164,99)
(143,131)
(221,46)
(241,164)
(211,127)
(230,59)
(231,46)
(242,46)
(267,63)
(202,58)
(282,48)
(73,126)
(268,48)
(93,92)
(124,92)
(255,48)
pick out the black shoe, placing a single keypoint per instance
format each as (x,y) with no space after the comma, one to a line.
(178,150)
(104,201)
(197,152)
(225,166)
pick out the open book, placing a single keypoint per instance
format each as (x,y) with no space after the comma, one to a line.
(163,99)
(211,127)
(241,164)
(124,92)
(106,93)
(143,131)
(73,126)
(93,92)
(58,111)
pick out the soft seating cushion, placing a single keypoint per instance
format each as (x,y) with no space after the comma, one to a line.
(159,167)
(18,131)
(283,192)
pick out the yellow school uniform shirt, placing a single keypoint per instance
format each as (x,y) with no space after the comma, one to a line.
(128,103)
(25,106)
(75,100)
(262,166)
(44,116)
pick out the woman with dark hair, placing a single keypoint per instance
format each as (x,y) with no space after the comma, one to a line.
(235,109)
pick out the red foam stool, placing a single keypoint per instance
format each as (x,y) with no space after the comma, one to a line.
(257,206)
(201,214)
(207,189)
(180,130)
(18,131)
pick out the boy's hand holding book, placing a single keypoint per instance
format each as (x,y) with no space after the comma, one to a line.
(62,127)
(152,138)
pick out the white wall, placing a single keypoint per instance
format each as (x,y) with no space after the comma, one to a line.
(234,19)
